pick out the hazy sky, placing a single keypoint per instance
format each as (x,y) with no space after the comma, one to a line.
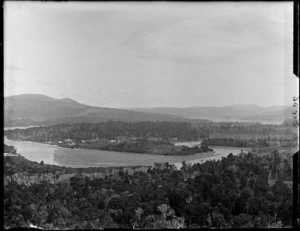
(151,54)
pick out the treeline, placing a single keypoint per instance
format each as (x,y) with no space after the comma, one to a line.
(164,130)
(246,191)
(247,130)
(236,142)
(260,142)
(153,148)
(108,130)
(142,146)
(9,149)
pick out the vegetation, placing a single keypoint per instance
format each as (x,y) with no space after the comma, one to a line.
(164,131)
(158,137)
(144,146)
(142,137)
(260,142)
(248,130)
(108,130)
(9,149)
(236,142)
(238,191)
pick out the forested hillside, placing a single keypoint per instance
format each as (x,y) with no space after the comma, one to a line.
(36,109)
(248,130)
(237,191)
(242,112)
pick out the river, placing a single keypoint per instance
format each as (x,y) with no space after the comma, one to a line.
(55,155)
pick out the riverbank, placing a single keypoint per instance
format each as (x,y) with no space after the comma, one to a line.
(140,146)
(74,158)
(222,151)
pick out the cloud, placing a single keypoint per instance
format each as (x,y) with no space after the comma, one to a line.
(160,49)
(211,37)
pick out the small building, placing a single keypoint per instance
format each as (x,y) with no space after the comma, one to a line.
(137,138)
(123,139)
(154,139)
(173,139)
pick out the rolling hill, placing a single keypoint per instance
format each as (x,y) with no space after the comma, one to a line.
(230,113)
(273,114)
(34,109)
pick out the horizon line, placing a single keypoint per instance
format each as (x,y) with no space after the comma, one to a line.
(151,107)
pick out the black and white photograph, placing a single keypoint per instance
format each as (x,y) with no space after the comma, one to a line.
(149,115)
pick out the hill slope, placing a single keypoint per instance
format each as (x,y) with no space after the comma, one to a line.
(235,112)
(274,114)
(31,109)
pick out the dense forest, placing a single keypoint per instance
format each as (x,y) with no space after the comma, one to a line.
(238,191)
(144,146)
(9,149)
(108,130)
(247,130)
(158,137)
(142,137)
(141,146)
(163,130)
(260,142)
(235,142)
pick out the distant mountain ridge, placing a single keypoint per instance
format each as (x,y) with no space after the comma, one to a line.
(31,109)
(232,113)
(36,109)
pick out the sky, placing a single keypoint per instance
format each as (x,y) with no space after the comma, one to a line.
(151,54)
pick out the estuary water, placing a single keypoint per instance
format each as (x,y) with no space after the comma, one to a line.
(55,155)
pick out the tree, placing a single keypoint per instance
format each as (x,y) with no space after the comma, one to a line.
(101,204)
(218,220)
(242,220)
(202,212)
